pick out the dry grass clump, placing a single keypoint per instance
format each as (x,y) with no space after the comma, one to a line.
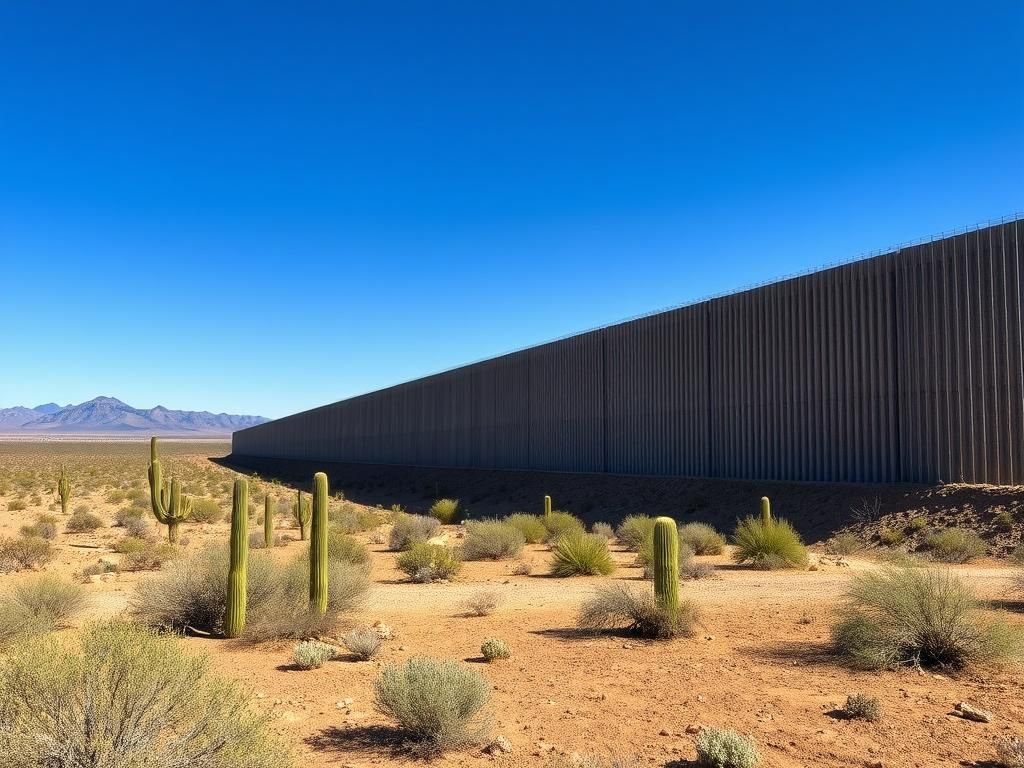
(702,538)
(604,530)
(522,568)
(955,545)
(634,530)
(531,526)
(39,605)
(424,563)
(409,529)
(494,649)
(125,697)
(83,521)
(891,537)
(559,524)
(693,571)
(921,617)
(491,540)
(206,511)
(860,706)
(144,555)
(1010,752)
(446,511)
(24,552)
(769,545)
(438,703)
(341,546)
(362,643)
(580,554)
(45,527)
(482,603)
(350,519)
(311,654)
(637,612)
(844,543)
(722,748)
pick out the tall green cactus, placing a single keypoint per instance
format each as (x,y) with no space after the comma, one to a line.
(766,510)
(170,506)
(547,506)
(238,570)
(64,489)
(302,513)
(666,564)
(268,521)
(318,546)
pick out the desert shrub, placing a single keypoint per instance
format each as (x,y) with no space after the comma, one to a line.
(349,519)
(594,761)
(769,545)
(1018,554)
(425,562)
(691,570)
(844,543)
(559,524)
(917,523)
(17,505)
(1004,520)
(410,529)
(138,527)
(151,556)
(955,545)
(438,703)
(98,568)
(38,605)
(206,511)
(1010,752)
(126,697)
(860,706)
(522,568)
(445,510)
(891,537)
(531,526)
(481,603)
(721,748)
(636,612)
(341,546)
(634,530)
(45,527)
(128,544)
(604,530)
(24,552)
(311,654)
(581,554)
(115,496)
(128,513)
(922,617)
(645,556)
(493,649)
(362,643)
(491,540)
(82,520)
(257,540)
(701,538)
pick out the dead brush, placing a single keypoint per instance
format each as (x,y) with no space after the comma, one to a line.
(482,603)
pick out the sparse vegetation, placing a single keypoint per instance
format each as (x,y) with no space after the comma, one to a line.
(491,540)
(446,511)
(722,748)
(482,603)
(634,531)
(45,527)
(637,612)
(559,524)
(604,530)
(769,544)
(702,539)
(955,545)
(407,530)
(580,554)
(24,552)
(844,543)
(312,654)
(860,706)
(362,643)
(531,526)
(144,555)
(917,523)
(891,537)
(425,562)
(206,511)
(341,546)
(38,605)
(83,521)
(1010,752)
(920,617)
(494,649)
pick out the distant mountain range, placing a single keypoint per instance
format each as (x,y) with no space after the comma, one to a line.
(108,414)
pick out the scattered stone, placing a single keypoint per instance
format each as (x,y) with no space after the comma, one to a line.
(691,729)
(384,632)
(500,746)
(968,712)
(664,732)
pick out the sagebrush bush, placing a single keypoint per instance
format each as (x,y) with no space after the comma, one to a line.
(362,643)
(491,540)
(769,545)
(860,706)
(445,510)
(138,527)
(425,562)
(341,546)
(82,521)
(481,603)
(438,703)
(24,552)
(125,697)
(531,526)
(722,748)
(918,616)
(604,530)
(844,543)
(44,526)
(206,511)
(619,607)
(1010,751)
(702,539)
(407,530)
(559,524)
(580,554)
(955,545)
(311,654)
(38,605)
(493,649)
(634,530)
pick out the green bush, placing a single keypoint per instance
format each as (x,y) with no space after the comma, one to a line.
(917,523)
(955,545)
(581,554)
(634,531)
(769,545)
(350,519)
(860,706)
(619,607)
(38,605)
(491,540)
(438,703)
(844,543)
(82,521)
(721,748)
(702,539)
(409,529)
(341,546)
(891,537)
(24,552)
(921,617)
(425,562)
(1004,520)
(493,649)
(531,526)
(559,524)
(206,511)
(446,511)
(311,654)
(125,697)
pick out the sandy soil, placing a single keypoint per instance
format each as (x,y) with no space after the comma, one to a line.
(759,664)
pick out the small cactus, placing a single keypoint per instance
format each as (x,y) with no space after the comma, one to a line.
(766,510)
(238,574)
(318,546)
(64,489)
(268,521)
(547,506)
(302,512)
(666,564)
(170,506)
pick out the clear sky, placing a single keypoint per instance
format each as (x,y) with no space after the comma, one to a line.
(261,208)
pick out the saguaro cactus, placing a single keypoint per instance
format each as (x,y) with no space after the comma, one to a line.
(302,513)
(318,546)
(238,570)
(766,510)
(666,563)
(170,505)
(547,506)
(64,489)
(268,521)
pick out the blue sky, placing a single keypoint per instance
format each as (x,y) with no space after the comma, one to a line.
(261,208)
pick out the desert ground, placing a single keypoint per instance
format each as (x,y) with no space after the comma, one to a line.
(760,662)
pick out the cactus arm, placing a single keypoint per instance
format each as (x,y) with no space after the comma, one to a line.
(234,613)
(318,546)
